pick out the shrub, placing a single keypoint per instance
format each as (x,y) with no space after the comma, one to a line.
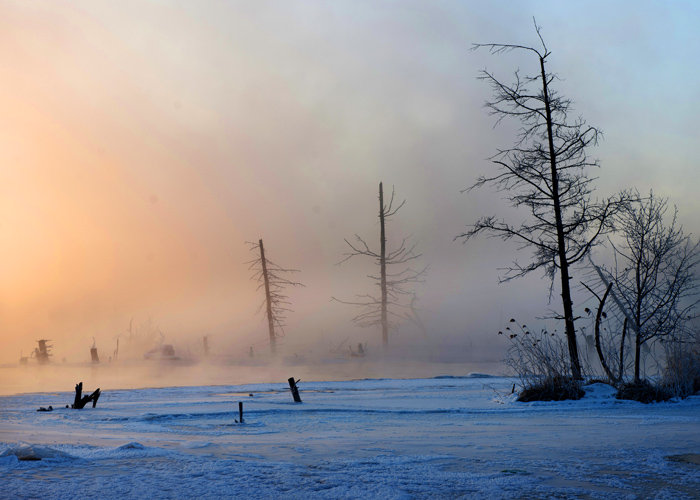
(552,389)
(541,362)
(681,375)
(644,392)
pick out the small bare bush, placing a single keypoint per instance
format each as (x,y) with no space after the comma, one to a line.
(681,375)
(540,361)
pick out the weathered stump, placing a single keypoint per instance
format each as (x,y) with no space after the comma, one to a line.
(80,401)
(295,390)
(95,396)
(78,395)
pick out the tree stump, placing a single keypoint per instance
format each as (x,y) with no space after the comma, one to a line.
(78,394)
(80,401)
(295,390)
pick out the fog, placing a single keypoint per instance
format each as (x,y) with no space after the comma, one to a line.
(143,144)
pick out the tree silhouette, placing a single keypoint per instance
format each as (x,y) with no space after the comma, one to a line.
(546,173)
(654,272)
(274,280)
(395,286)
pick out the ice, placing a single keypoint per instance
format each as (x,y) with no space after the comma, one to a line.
(24,451)
(442,437)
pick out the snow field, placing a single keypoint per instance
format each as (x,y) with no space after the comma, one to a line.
(446,437)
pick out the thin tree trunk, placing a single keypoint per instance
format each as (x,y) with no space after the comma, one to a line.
(382,269)
(268,301)
(616,299)
(622,350)
(637,349)
(561,243)
(638,310)
(598,347)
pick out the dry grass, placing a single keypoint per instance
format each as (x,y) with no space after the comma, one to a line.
(541,362)
(681,375)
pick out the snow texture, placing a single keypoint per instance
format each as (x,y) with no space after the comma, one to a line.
(446,437)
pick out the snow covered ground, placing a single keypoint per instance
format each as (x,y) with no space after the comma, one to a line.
(444,437)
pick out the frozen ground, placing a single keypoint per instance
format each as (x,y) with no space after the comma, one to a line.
(441,437)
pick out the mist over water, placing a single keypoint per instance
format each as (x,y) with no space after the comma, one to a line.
(62,377)
(138,357)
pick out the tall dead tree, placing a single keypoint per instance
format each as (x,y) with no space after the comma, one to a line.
(274,280)
(394,286)
(545,172)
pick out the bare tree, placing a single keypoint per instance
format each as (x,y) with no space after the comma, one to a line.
(394,286)
(544,172)
(654,272)
(274,280)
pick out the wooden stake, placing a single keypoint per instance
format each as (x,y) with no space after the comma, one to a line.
(240,412)
(295,390)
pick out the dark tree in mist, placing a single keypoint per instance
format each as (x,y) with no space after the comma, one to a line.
(274,280)
(545,173)
(654,273)
(394,285)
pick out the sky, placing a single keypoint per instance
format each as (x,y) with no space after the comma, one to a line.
(142,144)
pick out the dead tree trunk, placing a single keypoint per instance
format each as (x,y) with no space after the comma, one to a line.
(78,394)
(94,397)
(274,280)
(393,285)
(268,300)
(80,401)
(295,390)
(382,269)
(545,172)
(561,241)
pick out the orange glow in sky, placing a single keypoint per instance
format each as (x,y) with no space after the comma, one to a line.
(142,143)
